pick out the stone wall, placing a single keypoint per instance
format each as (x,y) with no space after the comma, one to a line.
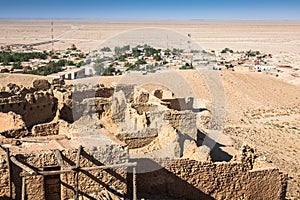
(45,129)
(183,121)
(12,125)
(183,179)
(34,108)
(4,176)
(189,179)
(41,107)
(180,103)
(90,182)
(138,139)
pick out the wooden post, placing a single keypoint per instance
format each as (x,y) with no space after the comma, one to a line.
(9,173)
(9,169)
(78,156)
(70,169)
(22,166)
(77,172)
(59,159)
(23,188)
(134,195)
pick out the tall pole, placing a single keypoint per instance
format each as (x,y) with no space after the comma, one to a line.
(76,195)
(9,172)
(134,191)
(189,42)
(23,197)
(167,41)
(52,38)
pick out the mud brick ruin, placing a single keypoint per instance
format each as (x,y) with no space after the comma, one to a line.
(85,141)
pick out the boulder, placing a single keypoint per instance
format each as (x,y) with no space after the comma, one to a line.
(41,84)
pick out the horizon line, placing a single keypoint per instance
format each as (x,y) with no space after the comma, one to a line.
(145,20)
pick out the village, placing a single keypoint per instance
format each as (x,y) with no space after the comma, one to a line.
(73,63)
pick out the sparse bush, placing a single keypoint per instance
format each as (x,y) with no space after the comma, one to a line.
(122,58)
(252,53)
(183,67)
(140,62)
(106,49)
(50,68)
(73,47)
(157,57)
(109,71)
(227,50)
(17,65)
(99,68)
(130,66)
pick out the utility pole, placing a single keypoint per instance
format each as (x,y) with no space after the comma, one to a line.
(190,51)
(52,38)
(167,41)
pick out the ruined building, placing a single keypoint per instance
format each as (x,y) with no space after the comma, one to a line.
(93,142)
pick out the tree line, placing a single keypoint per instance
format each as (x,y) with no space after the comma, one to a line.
(6,57)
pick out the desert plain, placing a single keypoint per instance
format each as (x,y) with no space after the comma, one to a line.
(262,111)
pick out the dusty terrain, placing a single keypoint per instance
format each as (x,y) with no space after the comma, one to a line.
(266,36)
(261,110)
(264,112)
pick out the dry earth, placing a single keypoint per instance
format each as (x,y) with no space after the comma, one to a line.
(264,112)
(261,110)
(266,36)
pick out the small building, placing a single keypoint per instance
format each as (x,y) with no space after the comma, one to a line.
(264,68)
(69,74)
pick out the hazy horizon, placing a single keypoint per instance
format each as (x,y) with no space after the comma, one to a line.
(148,20)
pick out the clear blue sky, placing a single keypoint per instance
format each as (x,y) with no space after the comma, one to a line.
(152,9)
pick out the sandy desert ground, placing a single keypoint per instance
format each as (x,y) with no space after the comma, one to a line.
(261,110)
(265,36)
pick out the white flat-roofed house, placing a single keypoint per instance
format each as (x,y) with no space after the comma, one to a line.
(69,74)
(264,68)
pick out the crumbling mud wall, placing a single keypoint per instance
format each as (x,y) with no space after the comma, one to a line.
(96,182)
(140,117)
(139,138)
(79,100)
(12,125)
(45,129)
(44,102)
(183,121)
(143,122)
(40,107)
(190,179)
(33,104)
(4,174)
(180,103)
(182,178)
(113,181)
